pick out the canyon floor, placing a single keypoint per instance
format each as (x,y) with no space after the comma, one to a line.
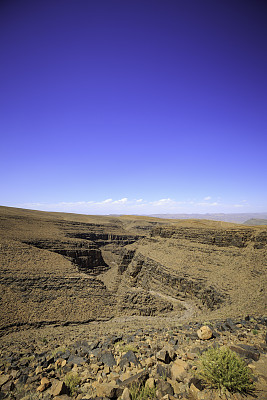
(65,277)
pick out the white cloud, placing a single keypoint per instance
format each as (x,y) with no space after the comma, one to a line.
(136,206)
(207,198)
(121,201)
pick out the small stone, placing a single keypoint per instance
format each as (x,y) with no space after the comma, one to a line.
(41,388)
(191,356)
(150,383)
(171,351)
(106,370)
(4,379)
(168,397)
(38,370)
(204,333)
(126,395)
(95,368)
(163,371)
(124,376)
(149,362)
(194,390)
(45,381)
(8,387)
(175,385)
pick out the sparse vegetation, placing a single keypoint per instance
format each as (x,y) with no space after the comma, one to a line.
(255,331)
(221,368)
(72,381)
(58,349)
(142,392)
(44,340)
(126,347)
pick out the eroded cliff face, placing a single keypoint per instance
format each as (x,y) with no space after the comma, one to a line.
(59,268)
(85,254)
(151,275)
(219,237)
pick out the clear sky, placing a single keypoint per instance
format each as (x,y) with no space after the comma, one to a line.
(137,106)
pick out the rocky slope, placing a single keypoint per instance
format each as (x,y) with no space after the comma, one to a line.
(105,361)
(118,300)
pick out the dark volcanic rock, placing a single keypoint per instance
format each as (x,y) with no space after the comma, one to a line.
(164,388)
(138,379)
(246,351)
(108,359)
(127,358)
(76,360)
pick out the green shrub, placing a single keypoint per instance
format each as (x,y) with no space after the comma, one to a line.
(221,368)
(142,392)
(72,381)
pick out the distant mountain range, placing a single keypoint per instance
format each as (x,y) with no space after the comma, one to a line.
(239,218)
(255,221)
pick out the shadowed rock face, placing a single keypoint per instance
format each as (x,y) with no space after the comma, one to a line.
(68,268)
(84,254)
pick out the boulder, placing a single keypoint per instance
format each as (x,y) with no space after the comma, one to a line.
(128,358)
(108,359)
(76,360)
(163,355)
(246,351)
(163,371)
(179,370)
(164,388)
(204,333)
(58,388)
(138,379)
(108,390)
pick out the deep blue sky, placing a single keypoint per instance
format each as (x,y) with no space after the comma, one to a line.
(164,101)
